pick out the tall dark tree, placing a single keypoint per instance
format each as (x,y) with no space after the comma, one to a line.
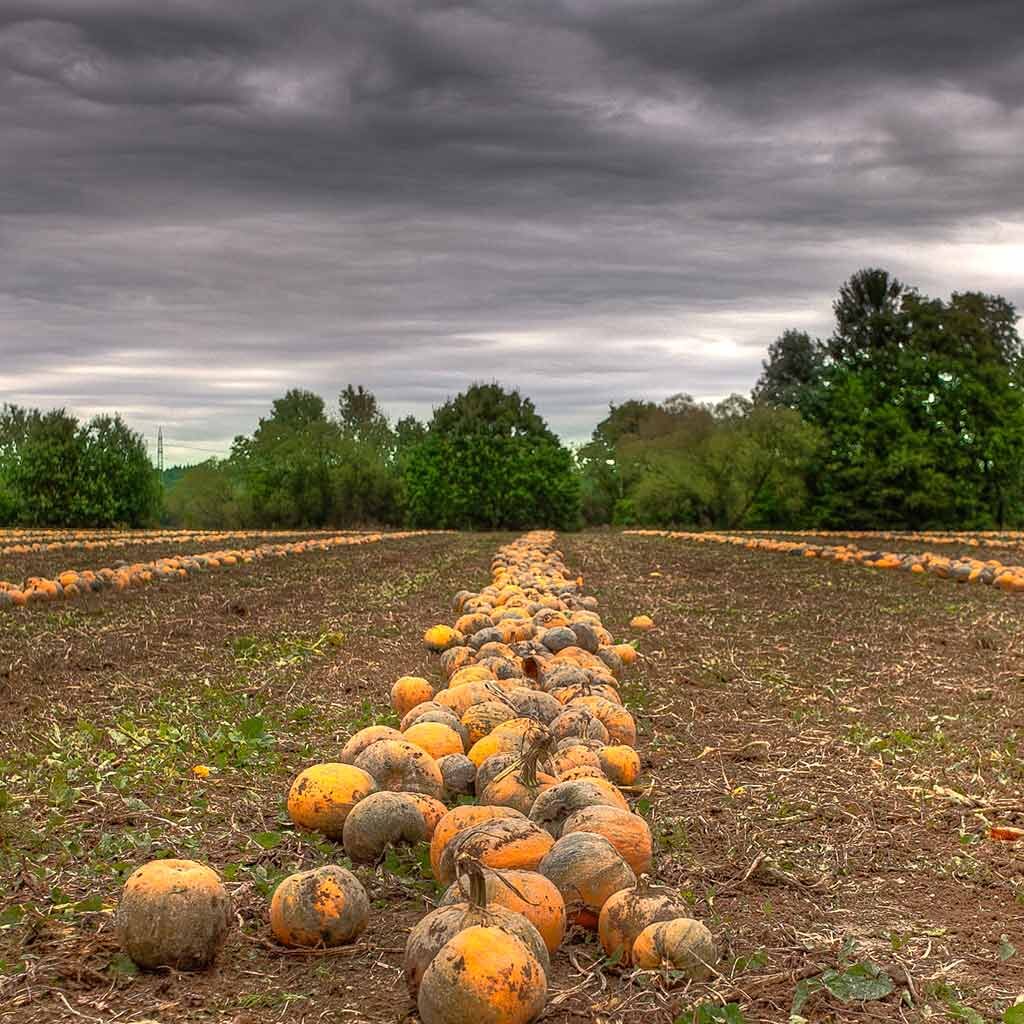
(867,315)
(792,372)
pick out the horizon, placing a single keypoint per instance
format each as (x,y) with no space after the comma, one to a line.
(586,200)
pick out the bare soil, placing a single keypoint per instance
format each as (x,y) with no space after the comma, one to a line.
(825,745)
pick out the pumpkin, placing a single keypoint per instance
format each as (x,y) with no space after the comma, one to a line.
(436,738)
(413,715)
(362,739)
(481,719)
(627,913)
(482,975)
(382,820)
(432,810)
(455,658)
(519,785)
(626,652)
(409,691)
(620,763)
(615,718)
(458,820)
(587,870)
(574,756)
(582,771)
(581,722)
(641,623)
(440,638)
(173,913)
(458,774)
(432,932)
(460,699)
(401,766)
(326,906)
(627,832)
(553,806)
(534,704)
(507,738)
(524,892)
(323,795)
(492,767)
(507,842)
(470,674)
(683,944)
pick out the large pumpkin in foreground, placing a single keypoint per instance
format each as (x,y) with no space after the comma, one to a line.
(173,913)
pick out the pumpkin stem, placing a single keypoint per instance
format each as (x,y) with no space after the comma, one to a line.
(470,869)
(540,749)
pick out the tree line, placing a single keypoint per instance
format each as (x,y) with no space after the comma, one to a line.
(910,414)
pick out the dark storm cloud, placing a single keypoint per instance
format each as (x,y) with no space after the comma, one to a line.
(204,202)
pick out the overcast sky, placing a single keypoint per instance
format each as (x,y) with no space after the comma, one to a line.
(204,205)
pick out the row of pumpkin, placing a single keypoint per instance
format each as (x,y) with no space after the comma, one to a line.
(73,583)
(964,538)
(17,543)
(1009,578)
(527,736)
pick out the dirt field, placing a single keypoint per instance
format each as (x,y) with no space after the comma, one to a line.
(826,746)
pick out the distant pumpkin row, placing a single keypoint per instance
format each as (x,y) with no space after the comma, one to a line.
(72,583)
(529,722)
(1009,578)
(29,543)
(966,538)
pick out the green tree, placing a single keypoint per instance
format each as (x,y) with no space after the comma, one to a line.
(118,484)
(46,472)
(791,374)
(925,420)
(286,468)
(206,497)
(488,460)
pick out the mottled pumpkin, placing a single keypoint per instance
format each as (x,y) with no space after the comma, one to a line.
(409,691)
(173,913)
(683,945)
(620,763)
(524,892)
(438,927)
(481,719)
(587,870)
(402,767)
(555,805)
(382,820)
(457,820)
(436,738)
(507,842)
(326,906)
(627,832)
(482,976)
(364,738)
(627,913)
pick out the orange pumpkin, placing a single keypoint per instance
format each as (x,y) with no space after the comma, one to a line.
(508,842)
(524,892)
(409,691)
(435,738)
(458,820)
(323,795)
(627,832)
(483,975)
(326,906)
(627,913)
